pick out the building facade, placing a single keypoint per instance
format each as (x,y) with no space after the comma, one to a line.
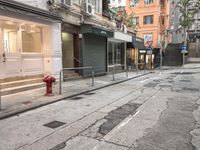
(31,43)
(59,34)
(152,20)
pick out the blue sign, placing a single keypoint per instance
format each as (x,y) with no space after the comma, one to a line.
(149,50)
(184,49)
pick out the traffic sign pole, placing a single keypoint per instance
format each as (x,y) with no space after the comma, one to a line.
(183,60)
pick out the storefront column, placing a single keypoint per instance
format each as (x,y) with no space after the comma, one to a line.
(52,50)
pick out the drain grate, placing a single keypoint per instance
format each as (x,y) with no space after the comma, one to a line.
(190,89)
(27,102)
(76,98)
(89,93)
(185,81)
(54,124)
(165,86)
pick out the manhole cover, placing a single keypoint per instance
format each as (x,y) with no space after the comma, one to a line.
(76,98)
(54,124)
(90,93)
(27,102)
(185,81)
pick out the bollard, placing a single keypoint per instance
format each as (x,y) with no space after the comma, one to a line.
(113,73)
(92,77)
(126,72)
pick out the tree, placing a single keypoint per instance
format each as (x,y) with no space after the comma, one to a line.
(187,14)
(128,20)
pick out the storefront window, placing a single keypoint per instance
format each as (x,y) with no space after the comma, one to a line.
(10,39)
(31,40)
(115,53)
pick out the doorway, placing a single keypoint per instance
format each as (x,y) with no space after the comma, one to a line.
(67,50)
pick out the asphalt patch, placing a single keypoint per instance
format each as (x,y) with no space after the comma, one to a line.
(116,116)
(54,124)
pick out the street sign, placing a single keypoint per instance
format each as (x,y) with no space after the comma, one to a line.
(184,49)
(149,43)
(149,50)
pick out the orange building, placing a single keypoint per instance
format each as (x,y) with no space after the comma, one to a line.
(152,20)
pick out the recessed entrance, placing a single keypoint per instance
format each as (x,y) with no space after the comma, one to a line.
(68,50)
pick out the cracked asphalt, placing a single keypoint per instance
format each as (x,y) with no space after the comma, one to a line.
(159,111)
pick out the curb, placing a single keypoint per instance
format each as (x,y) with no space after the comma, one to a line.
(11,114)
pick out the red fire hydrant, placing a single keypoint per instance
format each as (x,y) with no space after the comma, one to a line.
(49,81)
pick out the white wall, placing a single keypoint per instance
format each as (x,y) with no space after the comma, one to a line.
(36,3)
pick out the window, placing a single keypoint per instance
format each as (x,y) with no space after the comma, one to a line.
(77,1)
(198,26)
(148,19)
(136,20)
(148,2)
(115,53)
(97,5)
(31,40)
(134,3)
(10,38)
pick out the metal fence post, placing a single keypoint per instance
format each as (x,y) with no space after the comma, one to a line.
(60,86)
(126,72)
(137,68)
(113,73)
(92,77)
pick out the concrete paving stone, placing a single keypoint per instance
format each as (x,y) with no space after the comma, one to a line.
(51,140)
(84,143)
(107,109)
(127,134)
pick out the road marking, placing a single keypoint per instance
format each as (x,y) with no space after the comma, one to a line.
(148,79)
(127,121)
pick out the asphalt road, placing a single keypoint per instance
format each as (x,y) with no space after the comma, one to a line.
(159,111)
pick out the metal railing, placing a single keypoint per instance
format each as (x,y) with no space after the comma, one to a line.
(77,68)
(144,64)
(113,70)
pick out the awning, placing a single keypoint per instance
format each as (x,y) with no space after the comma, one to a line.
(87,28)
(136,43)
(13,8)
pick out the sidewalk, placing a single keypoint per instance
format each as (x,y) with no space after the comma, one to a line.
(17,103)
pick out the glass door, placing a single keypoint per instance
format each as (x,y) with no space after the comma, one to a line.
(11,54)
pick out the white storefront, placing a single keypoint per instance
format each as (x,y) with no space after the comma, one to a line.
(30,41)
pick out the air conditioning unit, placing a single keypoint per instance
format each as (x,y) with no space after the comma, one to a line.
(89,9)
(64,3)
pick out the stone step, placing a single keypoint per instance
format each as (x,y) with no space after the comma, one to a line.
(20,83)
(19,78)
(18,89)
